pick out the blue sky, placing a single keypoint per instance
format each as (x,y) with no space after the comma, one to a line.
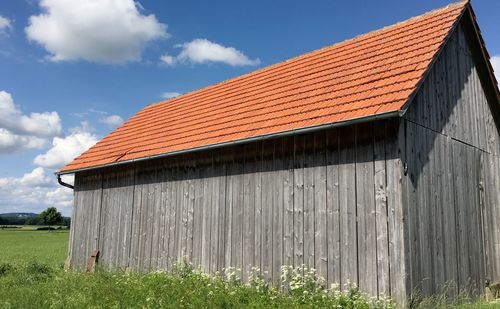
(69,72)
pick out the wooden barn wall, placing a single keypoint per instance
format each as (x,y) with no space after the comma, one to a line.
(329,200)
(452,191)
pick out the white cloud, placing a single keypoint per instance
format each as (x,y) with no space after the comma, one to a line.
(61,196)
(112,121)
(36,178)
(201,51)
(5,24)
(65,149)
(169,95)
(10,142)
(20,132)
(37,124)
(495,61)
(167,59)
(103,31)
(33,192)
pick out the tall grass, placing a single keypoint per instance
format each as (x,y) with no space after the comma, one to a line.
(34,285)
(31,276)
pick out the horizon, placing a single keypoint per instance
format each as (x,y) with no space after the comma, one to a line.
(62,91)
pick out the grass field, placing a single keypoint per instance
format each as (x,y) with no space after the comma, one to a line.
(31,276)
(26,245)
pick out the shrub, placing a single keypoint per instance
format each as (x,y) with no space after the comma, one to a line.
(35,272)
(45,228)
(5,268)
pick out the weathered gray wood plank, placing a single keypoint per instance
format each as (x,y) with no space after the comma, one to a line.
(288,200)
(250,186)
(277,217)
(333,211)
(320,205)
(347,201)
(365,208)
(309,202)
(298,200)
(381,211)
(267,210)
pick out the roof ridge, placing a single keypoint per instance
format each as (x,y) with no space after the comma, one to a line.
(453,4)
(372,32)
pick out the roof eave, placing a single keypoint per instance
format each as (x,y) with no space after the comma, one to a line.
(381,116)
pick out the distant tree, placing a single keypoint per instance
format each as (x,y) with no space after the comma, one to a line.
(32,221)
(66,222)
(50,216)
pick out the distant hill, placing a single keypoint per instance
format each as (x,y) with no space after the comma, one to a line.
(19,215)
(25,218)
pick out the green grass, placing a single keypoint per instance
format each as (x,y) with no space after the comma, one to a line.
(27,245)
(31,276)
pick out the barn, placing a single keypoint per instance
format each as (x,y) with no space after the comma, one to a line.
(375,160)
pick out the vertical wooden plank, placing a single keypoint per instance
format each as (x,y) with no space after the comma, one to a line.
(106,230)
(309,258)
(288,199)
(80,227)
(333,211)
(365,206)
(461,192)
(277,218)
(492,183)
(72,252)
(424,220)
(347,202)
(165,221)
(434,205)
(258,205)
(148,223)
(267,209)
(136,216)
(179,197)
(320,205)
(140,214)
(450,224)
(237,211)
(199,210)
(230,180)
(438,187)
(381,211)
(230,183)
(298,200)
(174,214)
(413,206)
(221,164)
(192,175)
(77,223)
(156,218)
(183,235)
(249,184)
(479,226)
(213,182)
(207,218)
(398,228)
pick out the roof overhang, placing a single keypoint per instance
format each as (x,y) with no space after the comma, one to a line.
(349,122)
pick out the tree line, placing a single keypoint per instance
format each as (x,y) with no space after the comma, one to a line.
(50,216)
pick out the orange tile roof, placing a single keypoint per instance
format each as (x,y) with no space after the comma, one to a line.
(372,74)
